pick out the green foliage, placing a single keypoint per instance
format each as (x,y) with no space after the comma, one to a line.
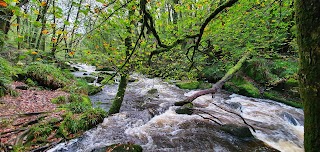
(39,133)
(94,90)
(48,75)
(93,116)
(78,86)
(6,73)
(59,100)
(273,95)
(2,40)
(30,82)
(241,86)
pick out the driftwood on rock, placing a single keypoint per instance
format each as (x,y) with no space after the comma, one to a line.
(217,86)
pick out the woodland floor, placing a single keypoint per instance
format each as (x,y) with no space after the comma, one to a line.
(17,114)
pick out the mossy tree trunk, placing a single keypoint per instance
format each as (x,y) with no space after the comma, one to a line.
(117,102)
(308,24)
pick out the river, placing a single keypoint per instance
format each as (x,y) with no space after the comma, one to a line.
(148,118)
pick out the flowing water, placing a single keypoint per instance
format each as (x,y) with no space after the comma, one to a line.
(148,118)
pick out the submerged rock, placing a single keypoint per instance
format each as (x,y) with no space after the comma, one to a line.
(238,131)
(120,148)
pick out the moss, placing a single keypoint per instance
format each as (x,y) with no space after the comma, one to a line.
(77,86)
(153,91)
(258,69)
(291,82)
(78,103)
(48,75)
(243,87)
(93,116)
(248,89)
(89,79)
(278,97)
(39,133)
(185,109)
(188,84)
(117,102)
(94,90)
(59,100)
(30,82)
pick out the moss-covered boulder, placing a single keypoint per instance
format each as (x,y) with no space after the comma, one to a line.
(89,79)
(185,109)
(280,97)
(48,75)
(241,86)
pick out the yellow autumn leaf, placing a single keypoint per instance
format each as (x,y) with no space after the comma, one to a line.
(15,24)
(53,25)
(45,32)
(34,53)
(43,3)
(59,32)
(36,12)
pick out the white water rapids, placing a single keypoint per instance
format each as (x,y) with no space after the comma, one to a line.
(149,119)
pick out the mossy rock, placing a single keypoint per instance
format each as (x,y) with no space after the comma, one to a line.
(153,91)
(94,90)
(104,69)
(243,87)
(185,109)
(89,79)
(260,70)
(120,148)
(188,85)
(48,75)
(291,82)
(273,95)
(238,131)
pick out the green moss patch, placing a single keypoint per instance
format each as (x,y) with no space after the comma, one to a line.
(188,84)
(273,95)
(48,75)
(243,87)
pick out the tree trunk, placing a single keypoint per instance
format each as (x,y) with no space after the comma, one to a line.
(116,104)
(308,24)
(217,86)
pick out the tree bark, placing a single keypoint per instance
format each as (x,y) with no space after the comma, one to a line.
(217,86)
(308,25)
(116,104)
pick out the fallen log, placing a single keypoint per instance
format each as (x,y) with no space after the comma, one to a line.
(217,86)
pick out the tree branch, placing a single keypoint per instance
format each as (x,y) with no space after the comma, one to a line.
(213,15)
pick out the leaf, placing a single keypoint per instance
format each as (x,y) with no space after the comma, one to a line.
(45,32)
(3,4)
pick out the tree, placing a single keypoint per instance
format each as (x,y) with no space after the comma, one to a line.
(308,24)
